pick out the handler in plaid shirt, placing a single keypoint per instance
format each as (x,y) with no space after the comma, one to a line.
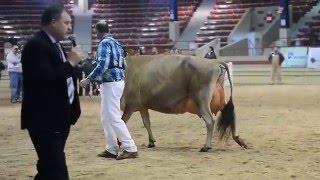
(110,71)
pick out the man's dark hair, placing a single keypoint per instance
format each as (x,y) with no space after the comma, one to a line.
(53,12)
(102,27)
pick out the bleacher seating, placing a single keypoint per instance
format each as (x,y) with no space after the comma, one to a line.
(224,17)
(139,23)
(301,7)
(226,14)
(20,19)
(143,22)
(314,25)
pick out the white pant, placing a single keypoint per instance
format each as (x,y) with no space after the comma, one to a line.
(114,127)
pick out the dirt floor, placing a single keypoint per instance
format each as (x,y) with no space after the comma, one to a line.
(281,124)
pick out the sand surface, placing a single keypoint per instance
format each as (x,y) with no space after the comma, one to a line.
(281,125)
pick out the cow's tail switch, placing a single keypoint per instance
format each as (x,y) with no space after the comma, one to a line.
(226,125)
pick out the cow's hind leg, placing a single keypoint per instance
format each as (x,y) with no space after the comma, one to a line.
(146,122)
(209,121)
(204,100)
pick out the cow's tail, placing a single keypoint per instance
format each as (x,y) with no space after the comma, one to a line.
(226,125)
(226,119)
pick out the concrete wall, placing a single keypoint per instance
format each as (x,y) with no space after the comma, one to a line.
(271,34)
(203,50)
(242,28)
(256,32)
(259,23)
(239,48)
(82,30)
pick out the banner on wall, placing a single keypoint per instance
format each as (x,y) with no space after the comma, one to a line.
(295,57)
(173,10)
(284,13)
(314,58)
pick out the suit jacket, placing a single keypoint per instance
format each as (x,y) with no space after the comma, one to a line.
(45,102)
(281,57)
(210,55)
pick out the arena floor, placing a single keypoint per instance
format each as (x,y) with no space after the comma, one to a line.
(280,123)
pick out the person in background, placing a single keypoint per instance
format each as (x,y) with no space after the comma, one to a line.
(174,51)
(87,67)
(79,77)
(276,59)
(313,37)
(166,51)
(142,51)
(154,51)
(15,74)
(2,67)
(211,54)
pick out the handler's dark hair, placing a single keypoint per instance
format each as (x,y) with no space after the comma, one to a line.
(102,27)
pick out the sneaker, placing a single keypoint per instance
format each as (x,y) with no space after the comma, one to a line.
(107,154)
(127,155)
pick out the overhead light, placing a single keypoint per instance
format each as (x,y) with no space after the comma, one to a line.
(150,34)
(151,24)
(3,21)
(7,27)
(10,32)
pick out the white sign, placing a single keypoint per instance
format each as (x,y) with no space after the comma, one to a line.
(314,58)
(295,57)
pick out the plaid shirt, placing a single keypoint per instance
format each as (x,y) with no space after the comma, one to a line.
(110,61)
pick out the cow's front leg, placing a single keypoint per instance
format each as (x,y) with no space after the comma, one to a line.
(146,122)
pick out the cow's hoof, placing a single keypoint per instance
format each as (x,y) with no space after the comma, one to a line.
(205,149)
(151,145)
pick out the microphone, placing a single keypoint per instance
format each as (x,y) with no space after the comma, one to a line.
(72,38)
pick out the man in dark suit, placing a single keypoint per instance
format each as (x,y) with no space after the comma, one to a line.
(276,58)
(51,103)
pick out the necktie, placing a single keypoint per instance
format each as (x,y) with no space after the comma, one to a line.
(70,84)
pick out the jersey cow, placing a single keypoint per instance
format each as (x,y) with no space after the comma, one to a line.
(177,84)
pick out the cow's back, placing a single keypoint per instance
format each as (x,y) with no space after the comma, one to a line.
(164,81)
